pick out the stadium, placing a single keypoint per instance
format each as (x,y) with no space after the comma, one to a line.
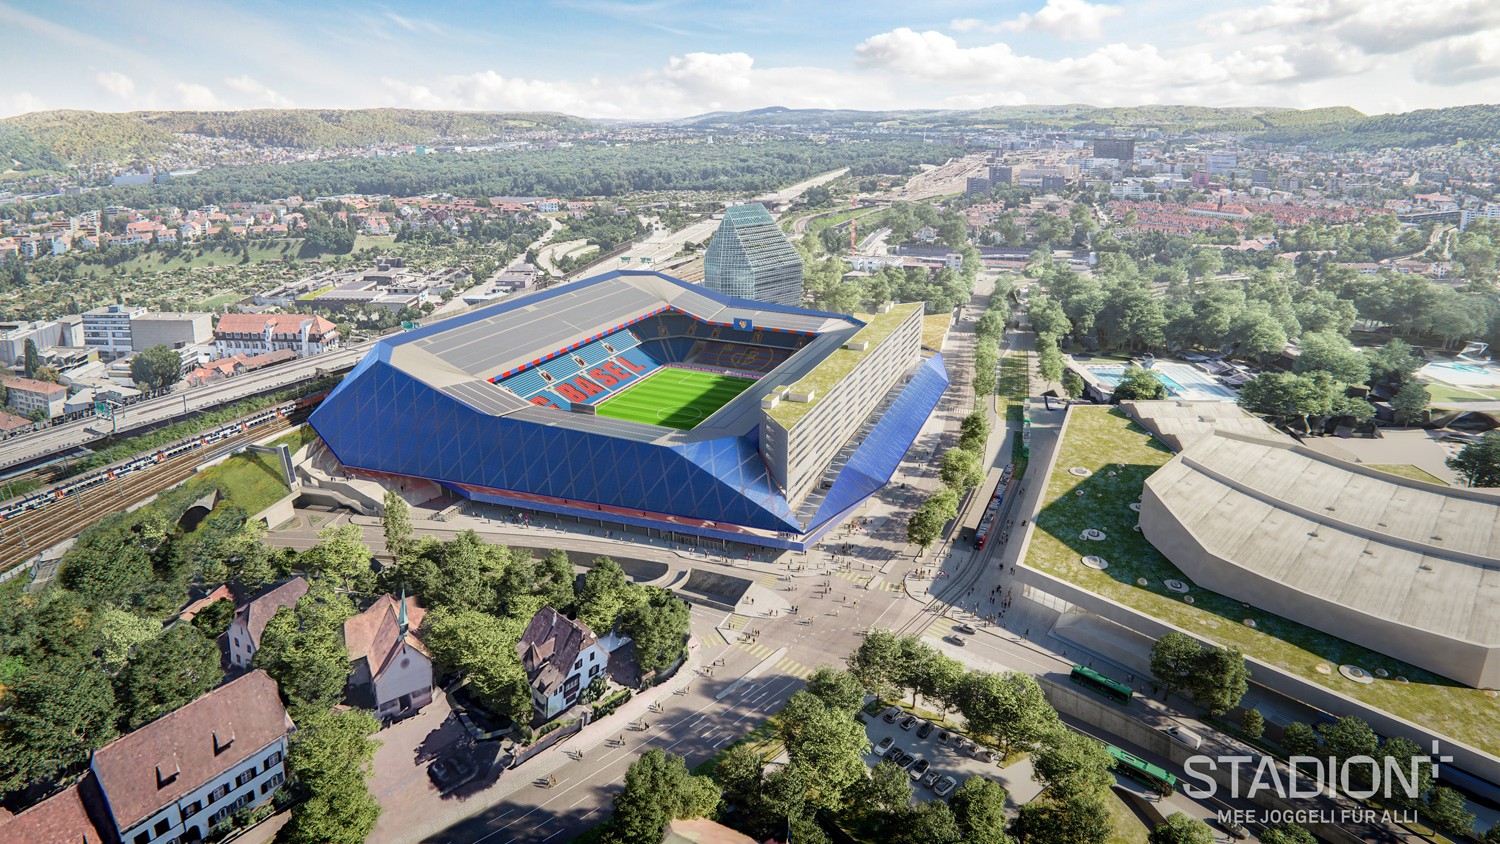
(638,399)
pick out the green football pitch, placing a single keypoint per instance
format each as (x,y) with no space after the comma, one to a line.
(676,398)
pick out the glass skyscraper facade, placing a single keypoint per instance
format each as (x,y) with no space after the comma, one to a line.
(750,258)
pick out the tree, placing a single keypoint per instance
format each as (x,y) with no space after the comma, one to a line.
(1181,829)
(1394,363)
(118,632)
(166,672)
(1299,739)
(1324,351)
(979,811)
(603,595)
(396,520)
(1064,819)
(1220,680)
(1139,385)
(658,789)
(302,648)
(839,690)
(32,360)
(930,822)
(554,581)
(826,745)
(58,712)
(1009,706)
(959,469)
(1072,763)
(331,756)
(887,790)
(1411,403)
(1072,384)
(658,625)
(1479,461)
(157,368)
(876,663)
(1348,737)
(1448,811)
(1253,723)
(1174,657)
(1287,833)
(215,618)
(340,553)
(483,648)
(927,521)
(1405,751)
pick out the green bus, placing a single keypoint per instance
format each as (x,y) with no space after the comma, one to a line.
(1143,772)
(1094,681)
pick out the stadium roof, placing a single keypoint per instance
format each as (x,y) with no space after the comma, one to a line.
(1411,553)
(459,356)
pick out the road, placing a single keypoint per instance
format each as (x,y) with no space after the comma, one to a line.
(791,193)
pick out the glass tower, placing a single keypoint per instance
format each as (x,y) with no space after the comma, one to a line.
(749,257)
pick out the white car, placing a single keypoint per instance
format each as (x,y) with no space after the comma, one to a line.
(945,786)
(885,746)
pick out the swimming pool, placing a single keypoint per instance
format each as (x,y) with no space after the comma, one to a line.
(1461,373)
(1113,375)
(1181,380)
(1454,365)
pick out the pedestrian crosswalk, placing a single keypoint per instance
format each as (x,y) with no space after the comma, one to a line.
(768,580)
(735,621)
(786,665)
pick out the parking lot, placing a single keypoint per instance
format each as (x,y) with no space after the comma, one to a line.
(945,758)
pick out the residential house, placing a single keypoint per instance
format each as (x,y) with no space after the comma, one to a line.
(10,423)
(253,334)
(175,778)
(702,831)
(392,668)
(107,330)
(250,620)
(561,657)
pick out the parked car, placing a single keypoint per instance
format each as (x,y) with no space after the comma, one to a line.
(904,760)
(966,628)
(920,768)
(965,746)
(944,736)
(451,771)
(908,722)
(890,715)
(945,786)
(930,778)
(885,746)
(954,638)
(984,754)
(925,730)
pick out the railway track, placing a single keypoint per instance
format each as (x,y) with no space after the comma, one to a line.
(28,534)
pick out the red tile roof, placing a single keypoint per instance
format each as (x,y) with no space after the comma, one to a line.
(278,323)
(258,612)
(183,750)
(31,385)
(375,634)
(60,819)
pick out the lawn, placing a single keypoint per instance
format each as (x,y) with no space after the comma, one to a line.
(1446,394)
(155,261)
(1121,455)
(1126,826)
(1010,401)
(674,398)
(837,366)
(1406,470)
(253,481)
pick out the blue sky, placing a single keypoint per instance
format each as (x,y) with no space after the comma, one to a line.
(674,58)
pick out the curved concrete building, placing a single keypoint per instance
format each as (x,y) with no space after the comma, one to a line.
(1405,568)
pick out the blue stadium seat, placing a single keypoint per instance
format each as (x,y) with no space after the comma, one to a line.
(560,367)
(526,384)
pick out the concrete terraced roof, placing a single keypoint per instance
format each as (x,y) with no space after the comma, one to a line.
(1368,556)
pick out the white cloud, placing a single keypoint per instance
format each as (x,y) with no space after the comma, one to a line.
(1064,18)
(258,92)
(116,83)
(194,96)
(687,84)
(985,100)
(1381,27)
(20,102)
(1460,60)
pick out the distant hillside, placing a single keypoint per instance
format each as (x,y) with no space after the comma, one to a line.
(1426,127)
(44,140)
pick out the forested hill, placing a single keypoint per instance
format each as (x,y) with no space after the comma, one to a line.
(53,139)
(1426,127)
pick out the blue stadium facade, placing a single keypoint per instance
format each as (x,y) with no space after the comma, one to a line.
(440,403)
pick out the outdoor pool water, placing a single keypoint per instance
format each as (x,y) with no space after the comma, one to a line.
(1181,380)
(1462,373)
(1113,375)
(1460,367)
